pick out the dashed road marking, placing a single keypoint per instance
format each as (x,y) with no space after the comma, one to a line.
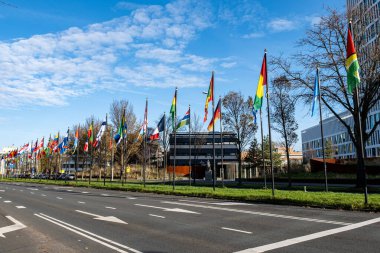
(110,207)
(158,216)
(59,198)
(84,192)
(237,230)
(309,237)
(106,195)
(20,207)
(131,198)
(81,202)
(7,201)
(258,213)
(2,190)
(31,192)
(43,195)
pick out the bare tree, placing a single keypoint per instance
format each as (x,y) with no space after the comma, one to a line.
(237,118)
(283,111)
(324,46)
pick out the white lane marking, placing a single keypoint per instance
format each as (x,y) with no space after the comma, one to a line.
(84,192)
(217,203)
(105,218)
(69,190)
(0,197)
(31,192)
(259,213)
(110,207)
(158,216)
(16,226)
(131,198)
(21,190)
(237,230)
(2,190)
(81,202)
(309,237)
(179,210)
(20,207)
(43,195)
(106,195)
(32,189)
(59,198)
(88,234)
(7,201)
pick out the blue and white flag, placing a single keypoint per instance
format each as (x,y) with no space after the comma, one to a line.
(316,92)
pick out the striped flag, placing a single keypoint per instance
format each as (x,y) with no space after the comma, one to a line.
(215,117)
(260,86)
(352,64)
(173,109)
(210,96)
(185,120)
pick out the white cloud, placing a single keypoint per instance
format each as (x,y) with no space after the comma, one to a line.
(146,48)
(280,24)
(253,35)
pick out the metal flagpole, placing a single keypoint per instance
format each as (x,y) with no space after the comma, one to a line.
(262,150)
(105,151)
(122,148)
(145,130)
(221,142)
(190,170)
(361,143)
(322,135)
(213,136)
(111,132)
(175,136)
(91,151)
(269,130)
(77,157)
(164,143)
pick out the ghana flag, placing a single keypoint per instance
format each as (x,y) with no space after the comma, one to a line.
(352,64)
(260,86)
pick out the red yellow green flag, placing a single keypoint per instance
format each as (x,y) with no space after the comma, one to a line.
(210,96)
(215,117)
(173,108)
(352,64)
(260,86)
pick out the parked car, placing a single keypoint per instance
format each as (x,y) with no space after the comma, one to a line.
(62,176)
(70,177)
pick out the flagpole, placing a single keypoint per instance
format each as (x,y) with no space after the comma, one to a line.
(105,151)
(145,129)
(91,151)
(356,99)
(111,136)
(213,137)
(175,136)
(164,143)
(269,130)
(122,148)
(322,135)
(77,158)
(190,170)
(262,150)
(221,142)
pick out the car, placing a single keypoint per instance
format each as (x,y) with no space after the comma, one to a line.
(70,177)
(62,176)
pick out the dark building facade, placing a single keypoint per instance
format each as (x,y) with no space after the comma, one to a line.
(201,146)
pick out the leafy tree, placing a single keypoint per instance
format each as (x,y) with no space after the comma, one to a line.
(324,45)
(283,111)
(237,118)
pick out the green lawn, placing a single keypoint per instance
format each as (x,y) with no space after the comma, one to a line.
(295,196)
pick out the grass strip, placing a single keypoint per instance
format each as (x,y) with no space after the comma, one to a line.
(330,200)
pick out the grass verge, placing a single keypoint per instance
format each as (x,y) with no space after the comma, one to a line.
(331,200)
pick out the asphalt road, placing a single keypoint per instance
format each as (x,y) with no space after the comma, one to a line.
(39,218)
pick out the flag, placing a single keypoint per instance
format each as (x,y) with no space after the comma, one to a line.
(121,130)
(100,134)
(316,92)
(76,140)
(215,117)
(39,146)
(254,113)
(160,127)
(155,135)
(260,86)
(210,96)
(63,146)
(185,120)
(85,148)
(161,124)
(352,64)
(173,108)
(90,134)
(23,149)
(145,123)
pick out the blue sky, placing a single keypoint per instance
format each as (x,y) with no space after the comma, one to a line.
(63,61)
